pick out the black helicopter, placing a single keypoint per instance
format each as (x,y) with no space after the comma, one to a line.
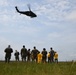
(27,13)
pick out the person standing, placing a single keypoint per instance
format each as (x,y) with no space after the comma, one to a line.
(34,54)
(52,54)
(44,55)
(48,55)
(56,57)
(39,57)
(23,53)
(16,54)
(28,55)
(8,52)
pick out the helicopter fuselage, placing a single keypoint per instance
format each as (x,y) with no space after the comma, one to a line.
(28,13)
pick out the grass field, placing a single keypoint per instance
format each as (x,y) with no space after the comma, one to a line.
(24,68)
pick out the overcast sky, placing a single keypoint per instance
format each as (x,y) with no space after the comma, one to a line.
(54,26)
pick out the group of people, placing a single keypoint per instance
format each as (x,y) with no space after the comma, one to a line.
(32,55)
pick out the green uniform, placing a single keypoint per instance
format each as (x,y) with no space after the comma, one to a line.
(8,52)
(23,54)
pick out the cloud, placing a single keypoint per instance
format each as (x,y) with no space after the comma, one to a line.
(54,35)
(38,41)
(4,41)
(3,3)
(71,16)
(58,10)
(55,10)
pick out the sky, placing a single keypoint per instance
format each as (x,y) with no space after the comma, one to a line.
(54,26)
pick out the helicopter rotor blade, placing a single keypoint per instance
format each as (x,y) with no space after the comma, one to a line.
(29,6)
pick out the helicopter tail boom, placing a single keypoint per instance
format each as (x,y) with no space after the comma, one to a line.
(17,9)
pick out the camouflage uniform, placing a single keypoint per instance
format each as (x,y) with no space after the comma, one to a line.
(44,55)
(8,52)
(34,54)
(28,55)
(52,55)
(23,53)
(16,55)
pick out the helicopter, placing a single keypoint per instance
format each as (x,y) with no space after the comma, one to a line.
(27,13)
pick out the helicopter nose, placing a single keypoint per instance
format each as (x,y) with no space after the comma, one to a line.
(35,15)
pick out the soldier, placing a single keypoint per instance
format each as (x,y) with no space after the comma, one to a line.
(34,54)
(16,55)
(28,55)
(23,53)
(44,55)
(52,54)
(8,52)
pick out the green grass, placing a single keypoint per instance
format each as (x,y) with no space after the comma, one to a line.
(24,68)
